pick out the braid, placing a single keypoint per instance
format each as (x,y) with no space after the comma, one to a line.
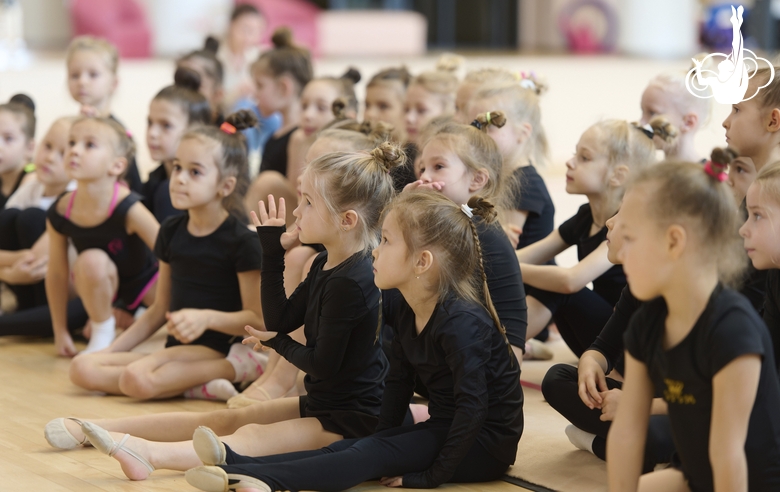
(489,300)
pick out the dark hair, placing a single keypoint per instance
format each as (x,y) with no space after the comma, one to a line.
(286,58)
(394,74)
(184,92)
(232,156)
(244,9)
(22,105)
(346,87)
(208,53)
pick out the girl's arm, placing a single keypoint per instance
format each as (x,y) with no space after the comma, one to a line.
(567,280)
(141,221)
(57,291)
(542,251)
(152,319)
(189,324)
(8,258)
(627,434)
(399,388)
(734,390)
(516,217)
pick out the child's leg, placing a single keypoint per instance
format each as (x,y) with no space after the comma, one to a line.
(272,183)
(36,322)
(96,281)
(580,319)
(668,480)
(538,317)
(101,371)
(171,371)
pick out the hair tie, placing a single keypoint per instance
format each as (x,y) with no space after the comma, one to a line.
(129,135)
(227,128)
(721,176)
(487,118)
(476,124)
(646,129)
(467,210)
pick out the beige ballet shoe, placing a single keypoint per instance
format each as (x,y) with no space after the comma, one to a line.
(103,442)
(209,447)
(58,436)
(215,479)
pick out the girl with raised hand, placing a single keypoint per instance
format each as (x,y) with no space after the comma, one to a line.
(431,94)
(112,233)
(462,161)
(523,145)
(92,65)
(606,155)
(338,304)
(207,287)
(447,332)
(695,340)
(172,111)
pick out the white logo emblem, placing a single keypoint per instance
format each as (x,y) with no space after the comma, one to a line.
(729,84)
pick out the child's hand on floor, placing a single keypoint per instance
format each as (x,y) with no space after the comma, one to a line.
(256,337)
(611,400)
(187,325)
(64,345)
(392,481)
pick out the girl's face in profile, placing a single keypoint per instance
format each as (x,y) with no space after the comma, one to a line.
(742,173)
(761,237)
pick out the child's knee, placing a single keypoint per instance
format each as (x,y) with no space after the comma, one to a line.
(136,382)
(557,377)
(82,371)
(93,265)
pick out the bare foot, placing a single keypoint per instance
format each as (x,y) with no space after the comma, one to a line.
(133,469)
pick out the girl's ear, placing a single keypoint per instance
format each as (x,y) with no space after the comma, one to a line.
(523,131)
(690,122)
(227,186)
(286,85)
(478,180)
(30,150)
(424,262)
(619,176)
(676,240)
(349,220)
(118,166)
(773,123)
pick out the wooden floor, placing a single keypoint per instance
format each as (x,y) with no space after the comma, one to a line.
(35,388)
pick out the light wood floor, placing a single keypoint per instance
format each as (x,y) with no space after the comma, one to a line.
(35,388)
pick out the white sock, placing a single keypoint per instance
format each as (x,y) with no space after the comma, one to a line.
(247,363)
(102,335)
(581,439)
(216,389)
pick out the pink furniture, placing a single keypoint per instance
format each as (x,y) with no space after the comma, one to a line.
(298,15)
(122,22)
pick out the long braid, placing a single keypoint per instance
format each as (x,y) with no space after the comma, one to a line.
(477,208)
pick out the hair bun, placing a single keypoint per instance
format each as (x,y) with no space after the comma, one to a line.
(23,100)
(352,74)
(339,108)
(723,156)
(495,118)
(211,44)
(450,63)
(242,119)
(484,208)
(187,78)
(282,37)
(377,131)
(664,129)
(389,155)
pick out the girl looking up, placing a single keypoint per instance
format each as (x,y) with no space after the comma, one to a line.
(696,341)
(447,332)
(112,233)
(207,287)
(606,155)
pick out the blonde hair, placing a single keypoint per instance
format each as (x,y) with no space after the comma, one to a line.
(429,220)
(626,143)
(99,45)
(477,151)
(442,82)
(123,144)
(684,191)
(673,83)
(359,181)
(769,96)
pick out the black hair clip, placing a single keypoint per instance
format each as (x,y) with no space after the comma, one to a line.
(646,129)
(476,124)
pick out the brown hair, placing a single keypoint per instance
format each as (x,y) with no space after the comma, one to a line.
(359,181)
(683,191)
(346,87)
(100,45)
(244,9)
(184,93)
(477,151)
(285,58)
(230,156)
(22,106)
(208,53)
(429,220)
(392,77)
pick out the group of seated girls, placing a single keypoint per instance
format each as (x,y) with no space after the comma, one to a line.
(413,252)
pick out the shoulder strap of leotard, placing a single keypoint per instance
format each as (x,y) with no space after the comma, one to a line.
(112,206)
(70,204)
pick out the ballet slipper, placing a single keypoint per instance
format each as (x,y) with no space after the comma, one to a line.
(103,442)
(208,446)
(215,479)
(58,436)
(537,350)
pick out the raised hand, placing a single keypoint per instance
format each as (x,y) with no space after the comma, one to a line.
(257,336)
(272,217)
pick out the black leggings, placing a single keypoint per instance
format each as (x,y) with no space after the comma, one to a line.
(560,389)
(36,322)
(344,464)
(19,229)
(580,317)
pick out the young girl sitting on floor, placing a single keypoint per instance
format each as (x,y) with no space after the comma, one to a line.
(208,284)
(698,342)
(338,304)
(17,126)
(607,153)
(112,233)
(447,332)
(431,94)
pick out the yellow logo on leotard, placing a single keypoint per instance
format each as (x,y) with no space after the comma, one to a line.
(674,393)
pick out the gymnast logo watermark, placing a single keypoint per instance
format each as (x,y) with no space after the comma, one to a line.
(730,83)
